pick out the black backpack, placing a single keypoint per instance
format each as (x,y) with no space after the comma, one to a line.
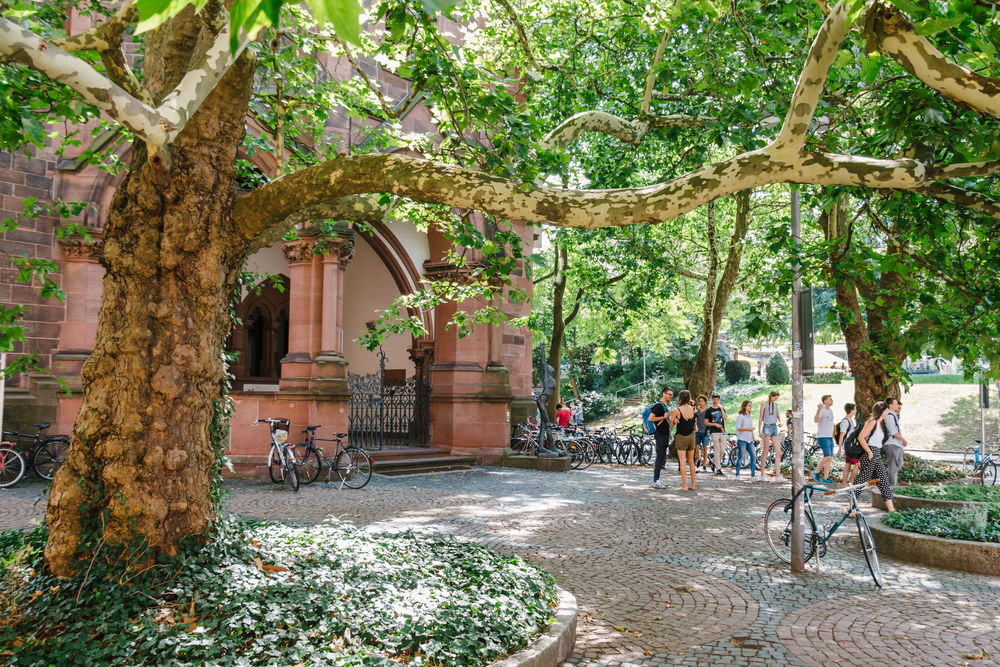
(853,448)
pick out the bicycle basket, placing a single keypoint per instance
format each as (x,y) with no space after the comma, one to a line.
(280,436)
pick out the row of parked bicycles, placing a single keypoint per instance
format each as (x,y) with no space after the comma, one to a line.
(630,446)
(23,453)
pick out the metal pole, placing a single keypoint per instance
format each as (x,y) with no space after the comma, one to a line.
(798,551)
(644,367)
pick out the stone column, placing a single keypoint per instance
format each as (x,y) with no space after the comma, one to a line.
(338,252)
(305,291)
(469,396)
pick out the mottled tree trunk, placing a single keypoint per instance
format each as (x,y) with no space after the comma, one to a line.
(141,459)
(871,367)
(702,380)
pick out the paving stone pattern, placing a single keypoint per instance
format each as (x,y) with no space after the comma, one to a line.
(664,577)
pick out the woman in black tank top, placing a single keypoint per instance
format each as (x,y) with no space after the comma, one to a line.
(686,421)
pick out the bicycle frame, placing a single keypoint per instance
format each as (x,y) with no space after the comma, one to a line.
(806,491)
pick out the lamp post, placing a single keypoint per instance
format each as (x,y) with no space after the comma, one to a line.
(798,551)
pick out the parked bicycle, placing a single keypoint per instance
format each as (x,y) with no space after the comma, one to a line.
(352,465)
(12,465)
(281,464)
(983,462)
(778,526)
(45,453)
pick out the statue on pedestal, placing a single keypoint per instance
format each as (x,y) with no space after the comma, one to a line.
(545,438)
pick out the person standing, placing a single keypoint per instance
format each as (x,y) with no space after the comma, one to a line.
(701,439)
(894,440)
(715,422)
(744,439)
(824,438)
(578,413)
(767,422)
(683,417)
(661,435)
(844,431)
(563,415)
(870,438)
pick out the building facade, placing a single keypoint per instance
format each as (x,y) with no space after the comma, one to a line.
(297,350)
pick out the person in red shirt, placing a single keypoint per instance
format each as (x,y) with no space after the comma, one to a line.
(563,415)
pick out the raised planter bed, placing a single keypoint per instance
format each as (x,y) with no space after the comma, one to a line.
(964,555)
(911,503)
(555,645)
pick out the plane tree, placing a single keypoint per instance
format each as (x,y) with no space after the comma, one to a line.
(179,230)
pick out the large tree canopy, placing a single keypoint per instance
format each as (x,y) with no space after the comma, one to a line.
(641,115)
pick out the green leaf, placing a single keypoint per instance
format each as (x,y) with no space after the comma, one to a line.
(343,15)
(33,130)
(438,6)
(934,26)
(154,13)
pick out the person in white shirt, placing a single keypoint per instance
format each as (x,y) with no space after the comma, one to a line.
(894,440)
(767,423)
(744,439)
(870,439)
(846,426)
(824,438)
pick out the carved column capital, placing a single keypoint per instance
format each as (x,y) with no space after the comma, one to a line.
(76,248)
(299,250)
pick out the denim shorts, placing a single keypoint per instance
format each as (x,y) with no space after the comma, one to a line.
(769,429)
(826,444)
(702,440)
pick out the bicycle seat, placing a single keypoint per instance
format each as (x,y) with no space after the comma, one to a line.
(312,429)
(42,425)
(978,441)
(340,435)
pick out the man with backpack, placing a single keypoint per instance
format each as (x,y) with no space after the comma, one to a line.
(841,434)
(659,416)
(894,440)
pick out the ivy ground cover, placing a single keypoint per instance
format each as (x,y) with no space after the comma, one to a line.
(266,593)
(962,492)
(975,523)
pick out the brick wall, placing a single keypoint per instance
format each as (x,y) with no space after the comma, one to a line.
(22,177)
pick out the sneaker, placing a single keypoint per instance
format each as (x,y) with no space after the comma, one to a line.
(829,481)
(657,485)
(719,473)
(816,477)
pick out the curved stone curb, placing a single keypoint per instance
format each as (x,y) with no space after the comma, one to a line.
(963,555)
(913,503)
(552,647)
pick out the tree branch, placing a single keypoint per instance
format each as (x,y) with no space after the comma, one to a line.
(647,93)
(966,169)
(629,131)
(968,198)
(104,37)
(894,34)
(812,79)
(32,51)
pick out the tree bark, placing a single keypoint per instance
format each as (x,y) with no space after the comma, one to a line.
(702,380)
(141,460)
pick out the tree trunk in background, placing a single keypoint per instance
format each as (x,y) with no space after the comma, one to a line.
(703,376)
(873,380)
(141,459)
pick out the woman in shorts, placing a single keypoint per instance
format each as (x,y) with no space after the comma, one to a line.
(684,418)
(767,422)
(701,438)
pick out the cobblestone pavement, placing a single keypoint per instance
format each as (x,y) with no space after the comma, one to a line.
(662,576)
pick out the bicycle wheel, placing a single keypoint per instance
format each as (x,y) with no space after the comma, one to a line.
(292,475)
(308,462)
(868,548)
(589,454)
(989,473)
(12,466)
(48,456)
(969,458)
(778,531)
(354,467)
(645,455)
(624,451)
(274,466)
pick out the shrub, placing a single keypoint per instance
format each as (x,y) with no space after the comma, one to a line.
(916,469)
(777,371)
(961,492)
(597,405)
(737,371)
(835,377)
(977,524)
(266,593)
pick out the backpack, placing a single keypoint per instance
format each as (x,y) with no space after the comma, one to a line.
(853,448)
(648,427)
(836,431)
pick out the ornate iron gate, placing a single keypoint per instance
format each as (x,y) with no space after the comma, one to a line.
(389,414)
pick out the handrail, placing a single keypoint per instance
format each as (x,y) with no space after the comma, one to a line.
(641,384)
